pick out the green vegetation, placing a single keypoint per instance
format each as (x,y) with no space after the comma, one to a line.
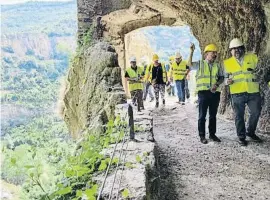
(41,158)
(31,72)
(39,39)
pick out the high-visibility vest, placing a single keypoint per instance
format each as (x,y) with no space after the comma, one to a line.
(135,85)
(150,70)
(205,77)
(243,77)
(179,71)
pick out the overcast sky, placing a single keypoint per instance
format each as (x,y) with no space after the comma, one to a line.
(23,1)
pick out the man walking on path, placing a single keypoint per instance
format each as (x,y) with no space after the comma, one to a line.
(158,76)
(179,71)
(134,76)
(244,89)
(208,79)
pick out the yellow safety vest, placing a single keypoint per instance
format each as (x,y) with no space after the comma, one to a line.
(135,85)
(179,71)
(243,78)
(150,69)
(205,78)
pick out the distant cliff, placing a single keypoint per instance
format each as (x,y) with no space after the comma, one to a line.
(37,40)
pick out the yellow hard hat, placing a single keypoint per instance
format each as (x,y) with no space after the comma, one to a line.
(171,58)
(155,57)
(236,42)
(210,47)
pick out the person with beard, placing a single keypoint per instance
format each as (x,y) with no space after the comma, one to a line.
(209,77)
(244,90)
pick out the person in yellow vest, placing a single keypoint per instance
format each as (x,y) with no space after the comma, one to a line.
(179,71)
(134,76)
(244,89)
(157,75)
(209,77)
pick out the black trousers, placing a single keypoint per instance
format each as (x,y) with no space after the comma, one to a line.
(207,100)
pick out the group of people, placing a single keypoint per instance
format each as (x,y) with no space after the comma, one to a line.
(237,72)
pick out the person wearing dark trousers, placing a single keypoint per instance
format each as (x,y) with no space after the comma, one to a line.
(244,90)
(209,77)
(187,89)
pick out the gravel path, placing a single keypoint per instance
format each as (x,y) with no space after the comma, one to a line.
(194,171)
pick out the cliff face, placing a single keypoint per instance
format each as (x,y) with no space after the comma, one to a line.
(93,89)
(210,21)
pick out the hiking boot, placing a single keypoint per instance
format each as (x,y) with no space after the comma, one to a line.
(183,103)
(254,137)
(157,104)
(242,142)
(203,140)
(214,138)
(151,100)
(163,101)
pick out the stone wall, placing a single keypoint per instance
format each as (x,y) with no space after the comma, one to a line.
(137,171)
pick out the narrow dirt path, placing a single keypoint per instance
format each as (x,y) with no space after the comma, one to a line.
(194,171)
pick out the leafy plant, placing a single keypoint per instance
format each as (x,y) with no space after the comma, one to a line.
(125,193)
(138,159)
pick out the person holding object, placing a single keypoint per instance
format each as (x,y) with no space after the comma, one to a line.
(244,89)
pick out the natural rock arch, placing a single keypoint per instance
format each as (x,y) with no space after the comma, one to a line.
(210,22)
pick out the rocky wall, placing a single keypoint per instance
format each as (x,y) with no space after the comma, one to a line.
(210,21)
(93,89)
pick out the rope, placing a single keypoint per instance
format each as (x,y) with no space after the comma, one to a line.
(121,153)
(110,162)
(120,180)
(107,171)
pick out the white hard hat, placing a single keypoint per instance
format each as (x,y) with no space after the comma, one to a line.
(132,59)
(178,55)
(236,42)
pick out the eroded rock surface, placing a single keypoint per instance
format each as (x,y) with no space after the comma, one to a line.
(93,88)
